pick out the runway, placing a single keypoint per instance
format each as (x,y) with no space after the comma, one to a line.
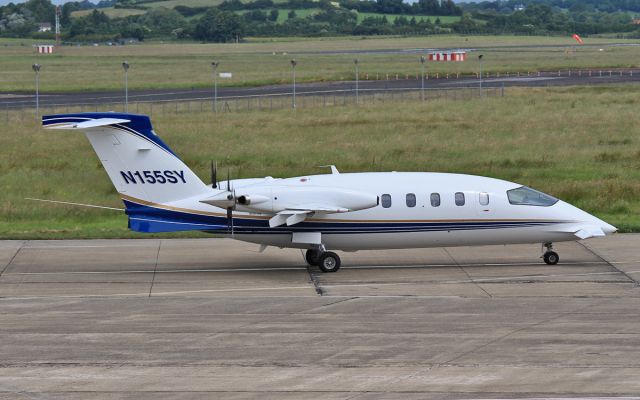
(565,78)
(214,318)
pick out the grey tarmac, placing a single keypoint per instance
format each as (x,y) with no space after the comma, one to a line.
(214,318)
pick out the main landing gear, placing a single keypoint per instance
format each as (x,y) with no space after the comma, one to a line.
(327,261)
(550,257)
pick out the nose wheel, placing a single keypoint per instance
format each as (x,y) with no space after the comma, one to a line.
(550,257)
(327,261)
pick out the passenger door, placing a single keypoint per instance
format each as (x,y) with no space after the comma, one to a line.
(485,203)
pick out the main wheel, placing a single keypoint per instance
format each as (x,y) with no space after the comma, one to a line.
(551,257)
(312,256)
(329,262)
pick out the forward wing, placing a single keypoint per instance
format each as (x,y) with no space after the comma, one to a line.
(583,231)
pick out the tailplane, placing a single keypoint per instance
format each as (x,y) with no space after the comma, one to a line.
(141,166)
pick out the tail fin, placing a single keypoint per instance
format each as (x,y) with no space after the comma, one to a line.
(141,166)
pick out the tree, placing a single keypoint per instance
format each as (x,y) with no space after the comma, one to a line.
(219,26)
(291,14)
(273,15)
(162,20)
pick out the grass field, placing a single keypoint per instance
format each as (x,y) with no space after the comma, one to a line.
(266,61)
(110,12)
(580,144)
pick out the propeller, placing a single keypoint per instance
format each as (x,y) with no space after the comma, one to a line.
(230,196)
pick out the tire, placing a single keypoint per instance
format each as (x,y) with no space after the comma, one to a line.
(551,258)
(329,262)
(312,256)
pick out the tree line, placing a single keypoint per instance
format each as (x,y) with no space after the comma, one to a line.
(232,20)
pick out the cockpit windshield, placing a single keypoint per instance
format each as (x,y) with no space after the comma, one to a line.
(524,196)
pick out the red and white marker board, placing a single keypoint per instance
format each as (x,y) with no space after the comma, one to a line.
(44,48)
(448,56)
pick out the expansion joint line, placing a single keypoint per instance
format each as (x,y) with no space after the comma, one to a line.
(466,273)
(12,258)
(628,276)
(155,267)
(312,277)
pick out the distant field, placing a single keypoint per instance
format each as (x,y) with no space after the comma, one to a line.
(188,3)
(392,17)
(110,12)
(266,61)
(580,144)
(283,14)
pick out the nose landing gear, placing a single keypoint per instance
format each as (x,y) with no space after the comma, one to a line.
(550,257)
(327,261)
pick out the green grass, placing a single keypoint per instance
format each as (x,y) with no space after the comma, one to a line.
(580,144)
(263,61)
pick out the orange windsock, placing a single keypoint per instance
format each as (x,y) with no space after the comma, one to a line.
(577,38)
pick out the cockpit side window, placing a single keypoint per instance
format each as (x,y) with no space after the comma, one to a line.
(524,196)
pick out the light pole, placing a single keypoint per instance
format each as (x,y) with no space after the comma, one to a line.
(357,78)
(36,69)
(293,68)
(215,64)
(422,60)
(480,61)
(125,67)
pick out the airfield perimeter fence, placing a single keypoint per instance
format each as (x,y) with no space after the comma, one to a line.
(270,102)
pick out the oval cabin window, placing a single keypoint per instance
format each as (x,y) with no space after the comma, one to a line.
(385,200)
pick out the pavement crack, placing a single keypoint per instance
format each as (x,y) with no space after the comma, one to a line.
(155,267)
(544,321)
(636,283)
(466,273)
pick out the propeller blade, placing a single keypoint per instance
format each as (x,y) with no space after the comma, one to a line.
(228,180)
(214,175)
(230,219)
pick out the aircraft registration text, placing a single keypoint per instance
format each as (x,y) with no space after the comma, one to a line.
(152,177)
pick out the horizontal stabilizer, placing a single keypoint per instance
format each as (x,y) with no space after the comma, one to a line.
(91,123)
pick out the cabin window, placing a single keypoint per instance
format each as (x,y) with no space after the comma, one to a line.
(484,199)
(411,200)
(385,200)
(459,198)
(524,196)
(435,199)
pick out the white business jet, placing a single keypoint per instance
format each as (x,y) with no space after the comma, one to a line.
(350,211)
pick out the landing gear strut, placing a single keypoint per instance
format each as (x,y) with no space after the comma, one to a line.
(550,257)
(327,261)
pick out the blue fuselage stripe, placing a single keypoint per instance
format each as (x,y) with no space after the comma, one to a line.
(150,219)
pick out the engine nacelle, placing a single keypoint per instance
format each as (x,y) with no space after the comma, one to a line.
(247,200)
(274,199)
